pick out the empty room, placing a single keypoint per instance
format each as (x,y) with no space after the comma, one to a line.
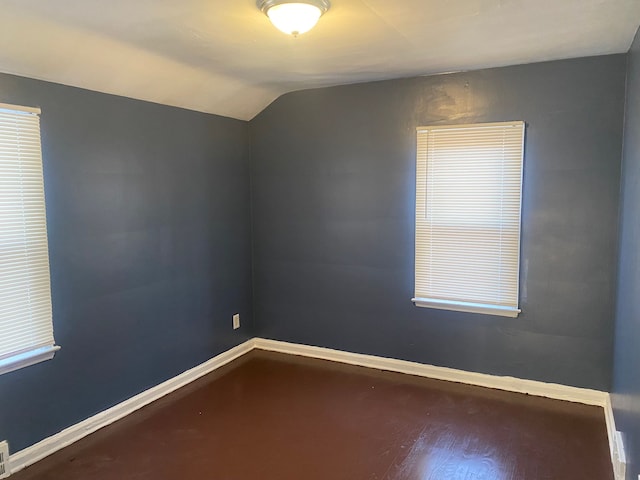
(320,239)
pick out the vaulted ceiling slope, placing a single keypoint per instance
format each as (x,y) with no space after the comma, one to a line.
(224,57)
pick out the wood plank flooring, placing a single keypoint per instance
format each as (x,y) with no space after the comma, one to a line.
(268,416)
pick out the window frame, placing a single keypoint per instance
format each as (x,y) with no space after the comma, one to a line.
(16,359)
(422,163)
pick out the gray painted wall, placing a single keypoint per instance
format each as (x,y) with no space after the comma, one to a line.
(626,385)
(149,237)
(148,215)
(333,188)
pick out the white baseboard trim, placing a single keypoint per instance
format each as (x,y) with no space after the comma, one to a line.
(616,445)
(511,384)
(611,427)
(50,445)
(46,447)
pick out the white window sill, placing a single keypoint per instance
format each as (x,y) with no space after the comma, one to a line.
(467,307)
(25,359)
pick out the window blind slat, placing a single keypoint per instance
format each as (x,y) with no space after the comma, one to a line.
(468,211)
(25,293)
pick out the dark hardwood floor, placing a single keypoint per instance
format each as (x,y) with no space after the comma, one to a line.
(275,417)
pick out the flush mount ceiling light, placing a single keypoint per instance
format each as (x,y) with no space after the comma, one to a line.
(294,17)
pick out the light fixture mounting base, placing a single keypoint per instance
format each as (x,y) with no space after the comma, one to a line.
(265,5)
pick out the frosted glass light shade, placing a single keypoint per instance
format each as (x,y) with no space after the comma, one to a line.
(294,17)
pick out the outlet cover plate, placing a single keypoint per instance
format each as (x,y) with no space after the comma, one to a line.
(236,321)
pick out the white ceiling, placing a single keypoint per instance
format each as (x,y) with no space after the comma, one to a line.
(224,57)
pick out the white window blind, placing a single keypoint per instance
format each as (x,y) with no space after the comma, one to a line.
(26,330)
(468,204)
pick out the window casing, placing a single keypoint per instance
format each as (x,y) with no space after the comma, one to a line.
(26,327)
(468,213)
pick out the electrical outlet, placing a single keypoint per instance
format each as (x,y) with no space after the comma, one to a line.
(4,460)
(236,321)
